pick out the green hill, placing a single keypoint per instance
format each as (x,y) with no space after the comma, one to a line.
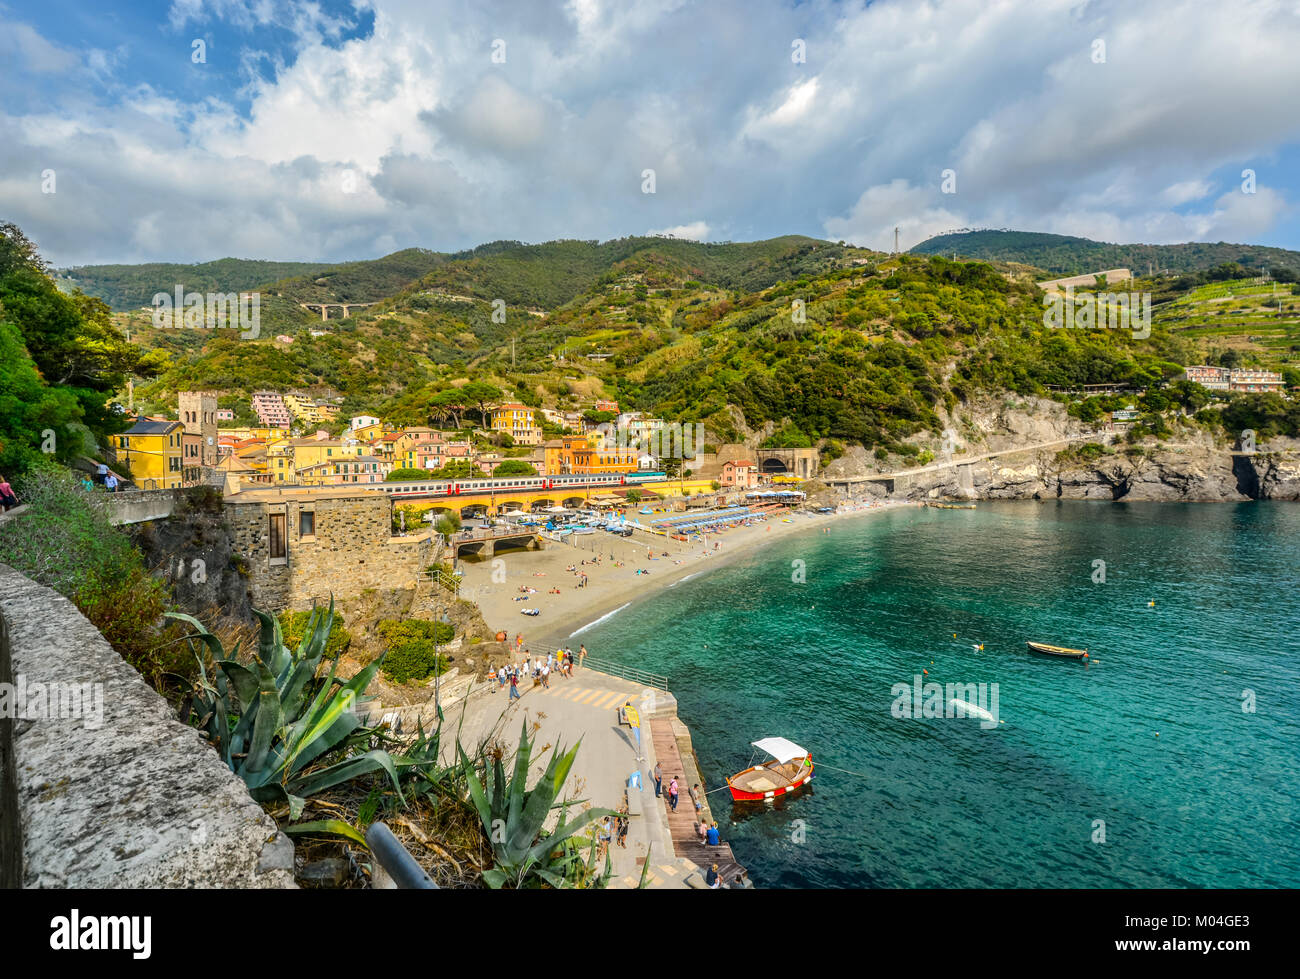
(132,286)
(829,342)
(1066,255)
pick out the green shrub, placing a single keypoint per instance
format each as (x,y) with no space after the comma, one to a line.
(412,645)
(64,541)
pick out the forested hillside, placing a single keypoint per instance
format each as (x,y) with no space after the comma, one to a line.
(794,341)
(1066,255)
(132,286)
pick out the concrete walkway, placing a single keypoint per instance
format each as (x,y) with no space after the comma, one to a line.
(586,707)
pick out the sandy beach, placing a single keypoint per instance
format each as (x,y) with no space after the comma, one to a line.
(611,565)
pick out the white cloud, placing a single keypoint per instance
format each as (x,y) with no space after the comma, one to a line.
(695,231)
(897,204)
(450,149)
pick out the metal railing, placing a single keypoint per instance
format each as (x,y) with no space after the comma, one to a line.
(631,673)
(396,861)
(441,577)
(643,677)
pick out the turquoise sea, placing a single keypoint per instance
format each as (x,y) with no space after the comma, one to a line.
(1075,789)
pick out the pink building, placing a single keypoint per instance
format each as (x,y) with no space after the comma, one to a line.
(739,474)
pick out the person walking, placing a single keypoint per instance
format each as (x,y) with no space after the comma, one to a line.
(672,794)
(546,677)
(697,796)
(101,472)
(7,498)
(582,656)
(514,686)
(659,780)
(110,483)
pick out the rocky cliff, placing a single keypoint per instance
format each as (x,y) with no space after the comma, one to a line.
(1156,473)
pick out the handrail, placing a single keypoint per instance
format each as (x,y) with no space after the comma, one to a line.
(396,860)
(642,677)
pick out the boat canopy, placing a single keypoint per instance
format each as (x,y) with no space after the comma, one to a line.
(780,749)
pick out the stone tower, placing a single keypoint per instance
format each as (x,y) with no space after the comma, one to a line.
(198,413)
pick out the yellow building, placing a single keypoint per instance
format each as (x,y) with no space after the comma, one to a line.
(297,404)
(280,462)
(518,422)
(309,410)
(367,433)
(152,451)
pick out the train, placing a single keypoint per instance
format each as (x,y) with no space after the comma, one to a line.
(570,482)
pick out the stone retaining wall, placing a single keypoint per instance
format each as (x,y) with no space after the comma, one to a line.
(121,794)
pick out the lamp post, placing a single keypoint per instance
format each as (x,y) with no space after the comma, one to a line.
(438,619)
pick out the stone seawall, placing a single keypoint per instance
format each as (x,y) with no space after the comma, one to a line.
(113,791)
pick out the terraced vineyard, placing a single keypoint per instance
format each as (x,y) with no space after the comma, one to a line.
(1253,316)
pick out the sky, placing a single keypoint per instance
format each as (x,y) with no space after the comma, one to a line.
(335,130)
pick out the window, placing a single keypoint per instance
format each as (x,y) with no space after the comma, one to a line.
(306,523)
(277,536)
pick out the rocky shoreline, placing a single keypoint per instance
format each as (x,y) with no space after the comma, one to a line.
(1190,466)
(1168,474)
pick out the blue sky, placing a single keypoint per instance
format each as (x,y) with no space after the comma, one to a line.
(337,130)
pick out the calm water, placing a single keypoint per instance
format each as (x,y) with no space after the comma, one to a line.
(1211,802)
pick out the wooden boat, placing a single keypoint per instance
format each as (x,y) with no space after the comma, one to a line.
(790,769)
(1063,652)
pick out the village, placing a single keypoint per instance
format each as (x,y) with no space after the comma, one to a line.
(293,446)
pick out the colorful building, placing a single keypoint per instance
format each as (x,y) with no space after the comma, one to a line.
(153,452)
(517,421)
(362,469)
(577,454)
(1249,379)
(739,474)
(271,409)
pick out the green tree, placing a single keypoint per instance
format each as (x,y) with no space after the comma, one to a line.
(514,467)
(29,409)
(479,395)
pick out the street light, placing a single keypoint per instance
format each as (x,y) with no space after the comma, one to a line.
(437,664)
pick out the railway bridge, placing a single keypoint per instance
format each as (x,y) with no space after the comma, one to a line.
(497,503)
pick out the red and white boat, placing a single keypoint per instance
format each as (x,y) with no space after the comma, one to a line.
(790,769)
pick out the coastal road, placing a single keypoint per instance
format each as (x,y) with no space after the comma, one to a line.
(967,460)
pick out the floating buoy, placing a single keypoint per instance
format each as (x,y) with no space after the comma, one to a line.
(1151,604)
(925,671)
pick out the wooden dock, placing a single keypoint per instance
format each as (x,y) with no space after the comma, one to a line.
(681,824)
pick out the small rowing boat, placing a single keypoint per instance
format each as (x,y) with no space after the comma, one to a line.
(1063,652)
(791,768)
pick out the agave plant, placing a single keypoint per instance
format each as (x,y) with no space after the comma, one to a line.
(271,719)
(514,817)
